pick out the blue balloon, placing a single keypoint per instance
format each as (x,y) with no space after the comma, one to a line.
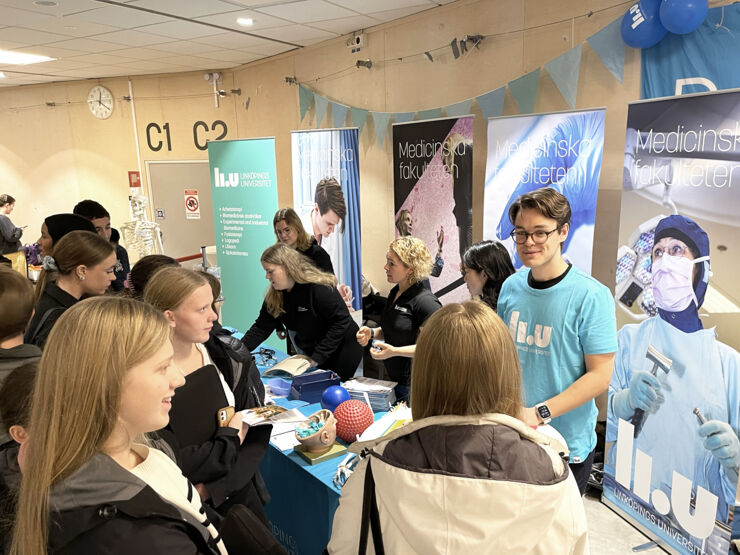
(683,16)
(641,26)
(333,396)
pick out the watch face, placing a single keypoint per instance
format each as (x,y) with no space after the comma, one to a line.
(543,411)
(100,102)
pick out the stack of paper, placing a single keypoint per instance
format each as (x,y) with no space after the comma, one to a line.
(380,393)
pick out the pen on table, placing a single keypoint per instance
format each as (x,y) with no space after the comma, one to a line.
(256,397)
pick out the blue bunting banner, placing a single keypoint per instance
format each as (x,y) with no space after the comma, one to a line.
(609,47)
(321,105)
(459,109)
(564,71)
(338,114)
(305,97)
(359,116)
(381,119)
(524,91)
(492,103)
(434,113)
(403,117)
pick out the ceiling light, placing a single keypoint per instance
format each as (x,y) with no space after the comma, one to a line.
(21,58)
(46,3)
(245,21)
(2,75)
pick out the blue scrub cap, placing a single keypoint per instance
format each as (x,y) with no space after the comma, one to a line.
(688,231)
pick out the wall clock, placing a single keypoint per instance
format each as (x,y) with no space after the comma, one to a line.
(100,101)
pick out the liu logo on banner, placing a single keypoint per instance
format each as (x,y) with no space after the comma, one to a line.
(699,524)
(518,329)
(221,180)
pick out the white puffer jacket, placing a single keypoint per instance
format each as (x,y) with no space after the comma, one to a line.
(465,485)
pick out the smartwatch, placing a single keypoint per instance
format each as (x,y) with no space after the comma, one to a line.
(544,413)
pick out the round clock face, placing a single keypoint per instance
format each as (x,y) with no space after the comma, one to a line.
(100,102)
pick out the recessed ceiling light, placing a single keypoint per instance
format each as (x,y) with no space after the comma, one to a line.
(2,75)
(245,21)
(21,58)
(46,3)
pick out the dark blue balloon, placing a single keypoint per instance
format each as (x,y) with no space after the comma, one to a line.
(333,396)
(641,26)
(683,16)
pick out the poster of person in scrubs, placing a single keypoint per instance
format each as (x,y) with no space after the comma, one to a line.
(673,415)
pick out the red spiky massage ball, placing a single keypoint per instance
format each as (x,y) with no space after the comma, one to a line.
(353,418)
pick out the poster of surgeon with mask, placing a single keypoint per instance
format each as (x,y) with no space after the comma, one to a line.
(673,415)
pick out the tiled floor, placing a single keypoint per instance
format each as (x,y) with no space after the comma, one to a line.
(609,533)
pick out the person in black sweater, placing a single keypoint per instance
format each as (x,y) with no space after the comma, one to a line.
(484,267)
(306,302)
(290,231)
(223,467)
(81,263)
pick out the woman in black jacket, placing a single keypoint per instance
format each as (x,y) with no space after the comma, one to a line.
(306,302)
(289,231)
(223,464)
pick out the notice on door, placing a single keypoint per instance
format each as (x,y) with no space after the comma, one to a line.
(192,204)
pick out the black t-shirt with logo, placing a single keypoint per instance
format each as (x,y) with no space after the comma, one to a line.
(401,321)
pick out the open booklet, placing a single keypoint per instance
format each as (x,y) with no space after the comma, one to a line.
(272,414)
(289,368)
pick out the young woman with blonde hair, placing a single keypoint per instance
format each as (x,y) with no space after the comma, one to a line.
(224,468)
(466,476)
(409,304)
(289,231)
(105,379)
(305,301)
(81,263)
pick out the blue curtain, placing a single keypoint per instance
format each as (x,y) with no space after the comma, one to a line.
(351,188)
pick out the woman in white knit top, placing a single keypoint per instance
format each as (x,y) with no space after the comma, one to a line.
(105,379)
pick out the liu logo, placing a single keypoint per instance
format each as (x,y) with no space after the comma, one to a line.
(518,330)
(637,16)
(699,524)
(221,180)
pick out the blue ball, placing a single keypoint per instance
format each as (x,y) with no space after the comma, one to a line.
(683,16)
(641,26)
(333,396)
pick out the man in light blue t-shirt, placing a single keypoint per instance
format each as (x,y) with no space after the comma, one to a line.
(563,325)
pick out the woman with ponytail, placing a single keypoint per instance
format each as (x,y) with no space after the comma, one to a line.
(81,263)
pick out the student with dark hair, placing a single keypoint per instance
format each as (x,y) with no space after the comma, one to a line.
(17,300)
(100,218)
(10,235)
(81,263)
(144,269)
(57,226)
(564,327)
(485,267)
(15,412)
(329,209)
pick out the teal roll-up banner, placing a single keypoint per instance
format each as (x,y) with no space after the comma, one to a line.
(244,190)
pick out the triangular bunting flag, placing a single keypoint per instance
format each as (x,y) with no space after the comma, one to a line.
(564,71)
(358,118)
(459,109)
(492,103)
(609,47)
(321,105)
(338,114)
(380,119)
(430,114)
(524,91)
(403,117)
(305,97)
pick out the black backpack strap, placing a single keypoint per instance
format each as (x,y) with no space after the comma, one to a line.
(43,320)
(370,516)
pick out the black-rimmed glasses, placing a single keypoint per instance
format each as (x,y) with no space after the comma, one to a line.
(539,236)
